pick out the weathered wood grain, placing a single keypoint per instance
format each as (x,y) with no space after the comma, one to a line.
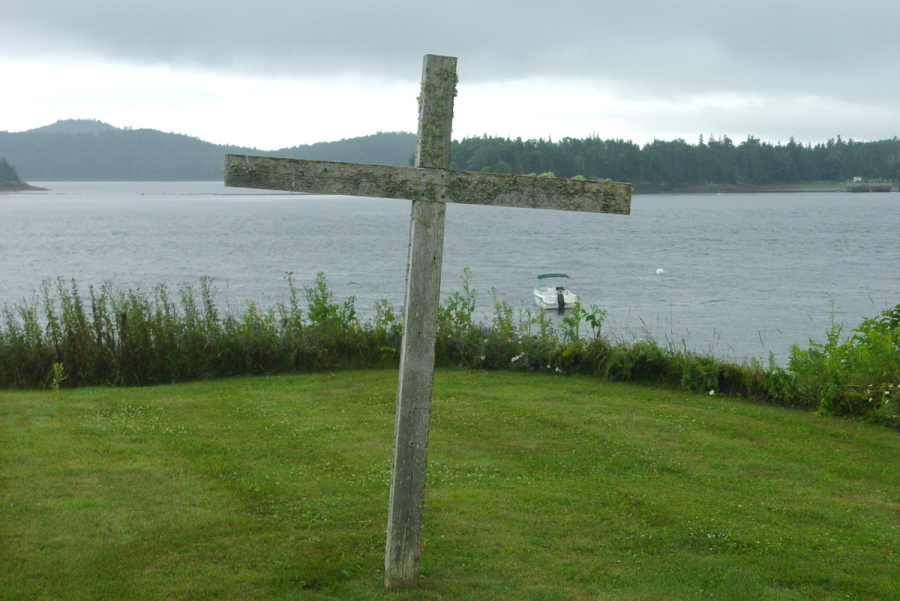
(407,497)
(403,546)
(423,184)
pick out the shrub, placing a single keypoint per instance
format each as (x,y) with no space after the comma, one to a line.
(858,376)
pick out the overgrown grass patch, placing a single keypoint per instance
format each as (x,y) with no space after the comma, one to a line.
(64,338)
(540,487)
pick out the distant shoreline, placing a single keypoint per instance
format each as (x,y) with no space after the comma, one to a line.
(20,188)
(639,188)
(739,188)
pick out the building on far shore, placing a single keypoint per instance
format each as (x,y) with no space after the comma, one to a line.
(875,185)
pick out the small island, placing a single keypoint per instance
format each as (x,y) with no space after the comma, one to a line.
(10,181)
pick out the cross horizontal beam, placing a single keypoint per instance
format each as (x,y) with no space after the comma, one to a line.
(421,184)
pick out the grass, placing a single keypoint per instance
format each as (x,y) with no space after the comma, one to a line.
(540,487)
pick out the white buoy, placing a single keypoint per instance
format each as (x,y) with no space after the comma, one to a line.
(660,271)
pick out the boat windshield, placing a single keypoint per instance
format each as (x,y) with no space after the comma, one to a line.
(553,281)
(560,277)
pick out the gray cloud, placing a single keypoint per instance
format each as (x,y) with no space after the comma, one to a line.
(655,45)
(840,51)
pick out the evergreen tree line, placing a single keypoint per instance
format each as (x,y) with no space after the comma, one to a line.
(714,161)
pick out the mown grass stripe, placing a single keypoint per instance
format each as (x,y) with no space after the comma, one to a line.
(540,486)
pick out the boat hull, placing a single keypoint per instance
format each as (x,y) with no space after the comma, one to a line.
(549,299)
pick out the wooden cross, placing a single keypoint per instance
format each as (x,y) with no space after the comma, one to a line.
(429,185)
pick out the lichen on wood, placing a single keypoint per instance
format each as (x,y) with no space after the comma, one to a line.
(420,184)
(436,112)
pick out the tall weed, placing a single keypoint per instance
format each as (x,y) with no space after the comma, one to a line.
(64,338)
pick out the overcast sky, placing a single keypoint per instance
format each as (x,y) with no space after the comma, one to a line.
(271,74)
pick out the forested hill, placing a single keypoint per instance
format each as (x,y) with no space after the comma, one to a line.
(677,163)
(88,150)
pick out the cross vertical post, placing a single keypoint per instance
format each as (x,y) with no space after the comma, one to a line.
(423,286)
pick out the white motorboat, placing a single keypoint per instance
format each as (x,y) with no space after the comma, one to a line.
(552,292)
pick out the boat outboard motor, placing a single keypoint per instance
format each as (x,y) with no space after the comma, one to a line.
(560,300)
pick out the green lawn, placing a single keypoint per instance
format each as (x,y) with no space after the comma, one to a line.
(540,487)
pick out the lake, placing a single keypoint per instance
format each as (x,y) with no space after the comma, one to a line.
(743,274)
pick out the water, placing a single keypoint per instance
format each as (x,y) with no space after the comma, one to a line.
(744,274)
